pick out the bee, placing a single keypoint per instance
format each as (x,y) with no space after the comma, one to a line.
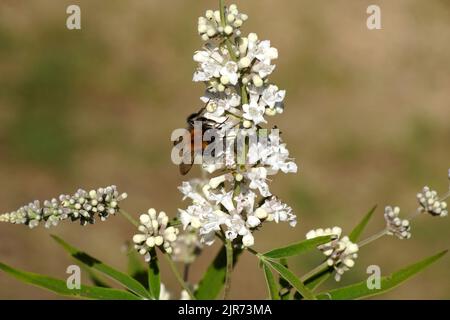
(195,134)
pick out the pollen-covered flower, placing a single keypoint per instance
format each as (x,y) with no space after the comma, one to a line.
(82,206)
(154,232)
(395,225)
(340,252)
(431,203)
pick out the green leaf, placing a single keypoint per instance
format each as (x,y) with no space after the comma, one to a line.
(358,230)
(136,268)
(297,248)
(154,277)
(95,279)
(359,290)
(214,278)
(313,282)
(118,276)
(285,287)
(291,278)
(270,281)
(60,286)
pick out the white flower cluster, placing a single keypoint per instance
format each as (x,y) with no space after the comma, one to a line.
(155,232)
(250,66)
(238,97)
(211,25)
(429,202)
(340,252)
(82,205)
(401,228)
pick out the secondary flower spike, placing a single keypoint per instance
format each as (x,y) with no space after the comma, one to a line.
(82,205)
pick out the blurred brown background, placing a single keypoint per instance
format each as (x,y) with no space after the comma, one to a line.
(367,118)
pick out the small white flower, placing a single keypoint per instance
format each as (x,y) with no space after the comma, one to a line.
(245,201)
(258,177)
(279,211)
(254,112)
(230,71)
(273,97)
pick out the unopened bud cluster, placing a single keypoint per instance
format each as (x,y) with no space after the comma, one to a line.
(82,206)
(340,252)
(211,25)
(154,232)
(396,226)
(429,202)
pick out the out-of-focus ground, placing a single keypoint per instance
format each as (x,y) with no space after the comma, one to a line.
(367,118)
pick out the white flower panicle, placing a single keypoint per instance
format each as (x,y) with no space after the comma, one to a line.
(82,206)
(238,99)
(340,252)
(431,203)
(401,228)
(154,232)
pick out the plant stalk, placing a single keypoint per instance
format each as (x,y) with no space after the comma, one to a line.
(129,217)
(229,251)
(178,276)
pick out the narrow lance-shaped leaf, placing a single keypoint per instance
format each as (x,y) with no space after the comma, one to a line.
(60,286)
(154,277)
(270,281)
(297,248)
(214,278)
(360,290)
(358,230)
(314,281)
(292,279)
(95,279)
(118,276)
(136,267)
(285,287)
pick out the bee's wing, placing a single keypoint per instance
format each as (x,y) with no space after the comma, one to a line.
(184,167)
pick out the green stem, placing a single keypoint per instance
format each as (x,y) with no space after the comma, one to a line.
(178,276)
(129,217)
(222,12)
(244,94)
(231,50)
(314,272)
(370,239)
(229,249)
